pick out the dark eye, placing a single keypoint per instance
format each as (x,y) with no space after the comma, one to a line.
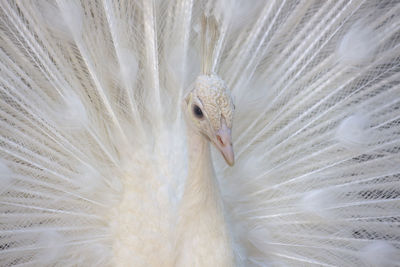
(197,111)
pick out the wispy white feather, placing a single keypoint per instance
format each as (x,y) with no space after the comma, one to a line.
(50,244)
(358,45)
(6,177)
(379,253)
(354,131)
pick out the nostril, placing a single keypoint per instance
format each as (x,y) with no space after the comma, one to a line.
(220,140)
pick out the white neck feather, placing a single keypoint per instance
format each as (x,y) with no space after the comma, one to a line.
(203,238)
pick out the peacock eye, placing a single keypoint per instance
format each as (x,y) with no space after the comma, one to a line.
(197,112)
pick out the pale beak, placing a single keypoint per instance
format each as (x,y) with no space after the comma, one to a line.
(224,144)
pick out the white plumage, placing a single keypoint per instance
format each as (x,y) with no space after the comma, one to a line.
(102,163)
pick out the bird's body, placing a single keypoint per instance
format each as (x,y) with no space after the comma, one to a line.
(116,121)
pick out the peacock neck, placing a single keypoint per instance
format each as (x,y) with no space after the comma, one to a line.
(201,184)
(203,238)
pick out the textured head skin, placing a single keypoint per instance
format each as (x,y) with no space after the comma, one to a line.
(214,120)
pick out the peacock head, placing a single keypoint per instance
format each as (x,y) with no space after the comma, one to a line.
(210,109)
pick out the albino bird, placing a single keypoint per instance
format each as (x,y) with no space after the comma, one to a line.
(120,120)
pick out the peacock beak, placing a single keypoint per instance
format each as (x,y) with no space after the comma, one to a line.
(224,144)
